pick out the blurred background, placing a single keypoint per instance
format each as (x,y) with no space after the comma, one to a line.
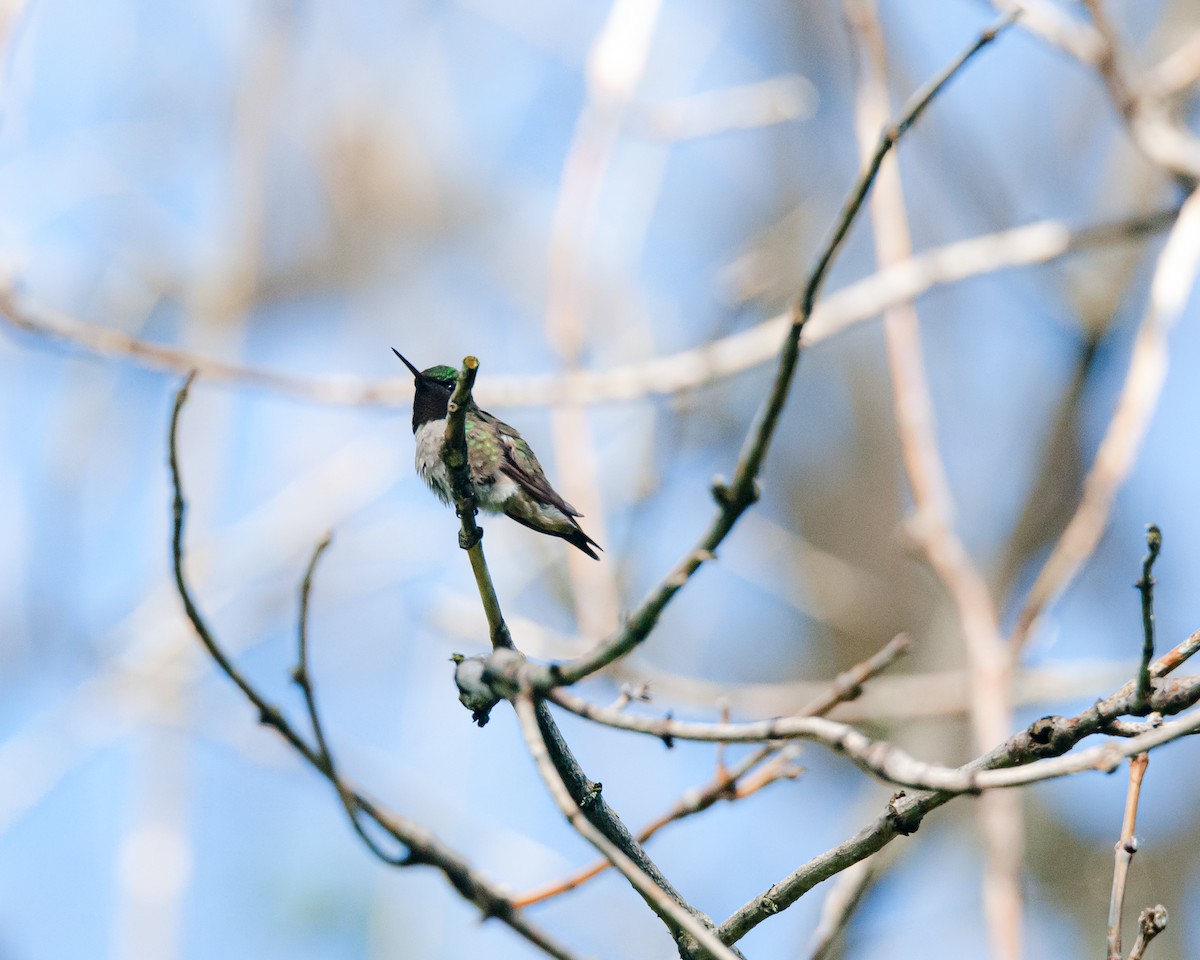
(289,189)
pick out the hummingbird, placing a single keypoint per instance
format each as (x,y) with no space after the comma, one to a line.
(504,469)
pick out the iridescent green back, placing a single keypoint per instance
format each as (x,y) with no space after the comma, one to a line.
(485,449)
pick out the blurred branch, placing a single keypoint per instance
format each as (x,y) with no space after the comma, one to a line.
(855,303)
(839,906)
(1056,26)
(1126,847)
(1162,139)
(677,918)
(616,64)
(1175,73)
(765,103)
(1173,279)
(750,774)
(421,846)
(1049,736)
(735,497)
(932,523)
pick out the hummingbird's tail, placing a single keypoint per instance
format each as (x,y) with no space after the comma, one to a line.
(565,527)
(585,543)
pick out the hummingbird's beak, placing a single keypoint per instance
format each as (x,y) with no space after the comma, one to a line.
(417,375)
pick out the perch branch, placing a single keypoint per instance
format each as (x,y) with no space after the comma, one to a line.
(454,453)
(421,846)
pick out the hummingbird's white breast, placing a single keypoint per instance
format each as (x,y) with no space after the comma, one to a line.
(429,438)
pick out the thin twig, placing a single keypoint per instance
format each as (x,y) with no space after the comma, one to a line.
(421,845)
(904,814)
(747,776)
(675,916)
(302,677)
(1176,657)
(1125,848)
(735,497)
(735,782)
(1145,586)
(1151,922)
(893,765)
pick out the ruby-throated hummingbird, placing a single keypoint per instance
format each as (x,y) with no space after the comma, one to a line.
(507,476)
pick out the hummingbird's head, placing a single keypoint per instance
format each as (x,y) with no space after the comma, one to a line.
(434,387)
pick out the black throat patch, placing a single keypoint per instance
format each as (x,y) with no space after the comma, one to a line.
(430,402)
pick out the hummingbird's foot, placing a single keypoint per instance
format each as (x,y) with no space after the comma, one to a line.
(468,540)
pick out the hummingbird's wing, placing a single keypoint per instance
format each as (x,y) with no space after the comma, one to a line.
(521,464)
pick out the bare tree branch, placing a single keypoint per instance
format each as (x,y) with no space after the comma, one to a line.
(748,775)
(1145,586)
(1174,277)
(1125,848)
(839,906)
(1050,736)
(1027,245)
(735,497)
(421,846)
(673,914)
(1151,922)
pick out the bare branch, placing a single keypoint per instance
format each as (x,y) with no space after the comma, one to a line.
(1050,736)
(750,774)
(767,102)
(1034,243)
(1126,847)
(673,914)
(999,815)
(839,905)
(1173,280)
(735,497)
(1151,922)
(1145,586)
(421,845)
(303,679)
(454,453)
(893,765)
